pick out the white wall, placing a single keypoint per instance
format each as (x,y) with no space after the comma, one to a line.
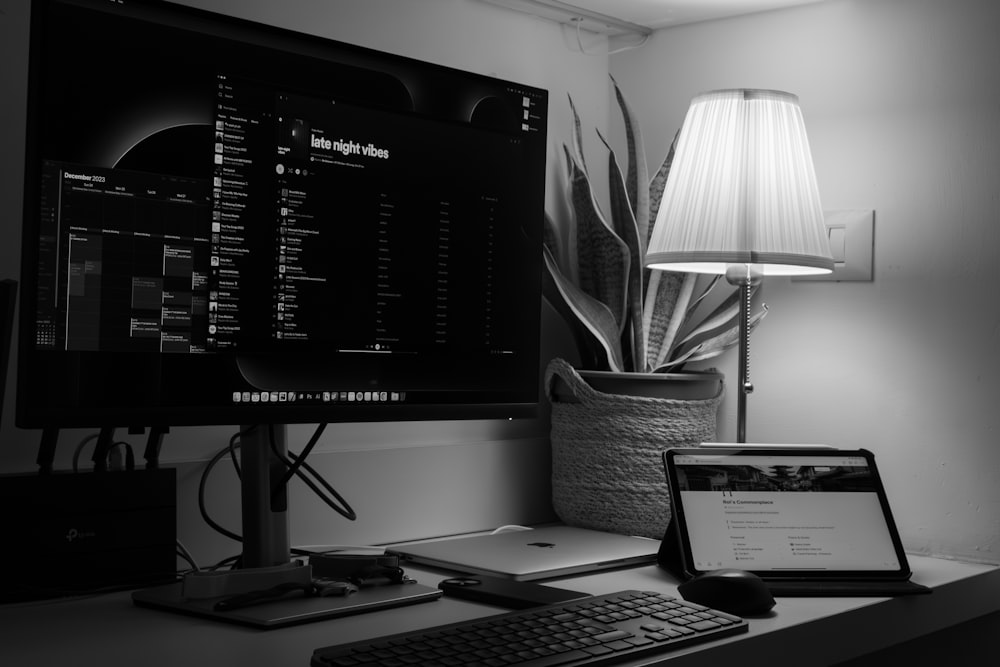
(406,480)
(902,104)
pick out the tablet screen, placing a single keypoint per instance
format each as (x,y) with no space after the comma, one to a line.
(778,511)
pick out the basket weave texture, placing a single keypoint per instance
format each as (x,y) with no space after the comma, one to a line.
(607,465)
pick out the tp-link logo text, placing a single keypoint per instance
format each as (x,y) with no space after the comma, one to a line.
(75,534)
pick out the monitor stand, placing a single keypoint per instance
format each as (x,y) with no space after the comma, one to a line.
(266,563)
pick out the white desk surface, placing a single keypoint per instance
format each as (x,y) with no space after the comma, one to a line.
(109,631)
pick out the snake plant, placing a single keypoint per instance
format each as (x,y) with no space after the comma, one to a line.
(624,317)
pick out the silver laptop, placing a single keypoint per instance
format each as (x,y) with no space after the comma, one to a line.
(524,555)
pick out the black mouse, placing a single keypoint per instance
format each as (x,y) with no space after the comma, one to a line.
(734,591)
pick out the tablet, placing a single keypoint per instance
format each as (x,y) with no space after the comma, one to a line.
(815,517)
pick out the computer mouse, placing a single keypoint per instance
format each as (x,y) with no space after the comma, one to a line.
(734,591)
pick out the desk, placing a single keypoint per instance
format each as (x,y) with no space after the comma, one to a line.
(109,631)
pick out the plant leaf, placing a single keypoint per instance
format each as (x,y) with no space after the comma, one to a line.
(633,339)
(592,355)
(662,292)
(657,185)
(705,292)
(724,313)
(552,239)
(713,346)
(591,313)
(662,287)
(603,258)
(577,135)
(637,171)
(677,316)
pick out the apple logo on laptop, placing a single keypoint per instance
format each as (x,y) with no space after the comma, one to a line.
(542,545)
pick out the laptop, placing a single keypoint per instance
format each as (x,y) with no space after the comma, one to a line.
(809,521)
(539,553)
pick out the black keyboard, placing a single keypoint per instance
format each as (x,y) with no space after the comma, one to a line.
(591,631)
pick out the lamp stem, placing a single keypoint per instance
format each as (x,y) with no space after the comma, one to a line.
(744,276)
(746,387)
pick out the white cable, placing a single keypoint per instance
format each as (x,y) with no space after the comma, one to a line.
(579,43)
(333,548)
(645,38)
(510,529)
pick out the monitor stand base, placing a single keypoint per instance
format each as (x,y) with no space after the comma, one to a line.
(291,609)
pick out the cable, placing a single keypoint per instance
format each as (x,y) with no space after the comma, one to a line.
(153,444)
(203,482)
(183,552)
(510,528)
(234,444)
(102,462)
(579,43)
(337,503)
(294,462)
(47,450)
(321,549)
(294,468)
(105,443)
(645,38)
(79,450)
(231,562)
(129,455)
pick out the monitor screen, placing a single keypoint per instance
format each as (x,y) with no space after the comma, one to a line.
(228,223)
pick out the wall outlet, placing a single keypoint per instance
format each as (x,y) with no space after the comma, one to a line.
(852,244)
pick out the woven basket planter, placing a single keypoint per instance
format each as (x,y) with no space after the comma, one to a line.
(607,466)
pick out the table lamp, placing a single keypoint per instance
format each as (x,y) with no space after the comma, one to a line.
(741,199)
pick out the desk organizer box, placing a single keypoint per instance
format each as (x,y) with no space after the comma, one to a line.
(607,464)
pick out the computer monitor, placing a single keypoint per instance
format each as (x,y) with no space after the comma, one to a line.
(230,223)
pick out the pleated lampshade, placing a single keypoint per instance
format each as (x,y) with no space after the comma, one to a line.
(742,190)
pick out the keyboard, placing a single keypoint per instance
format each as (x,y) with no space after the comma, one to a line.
(589,631)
